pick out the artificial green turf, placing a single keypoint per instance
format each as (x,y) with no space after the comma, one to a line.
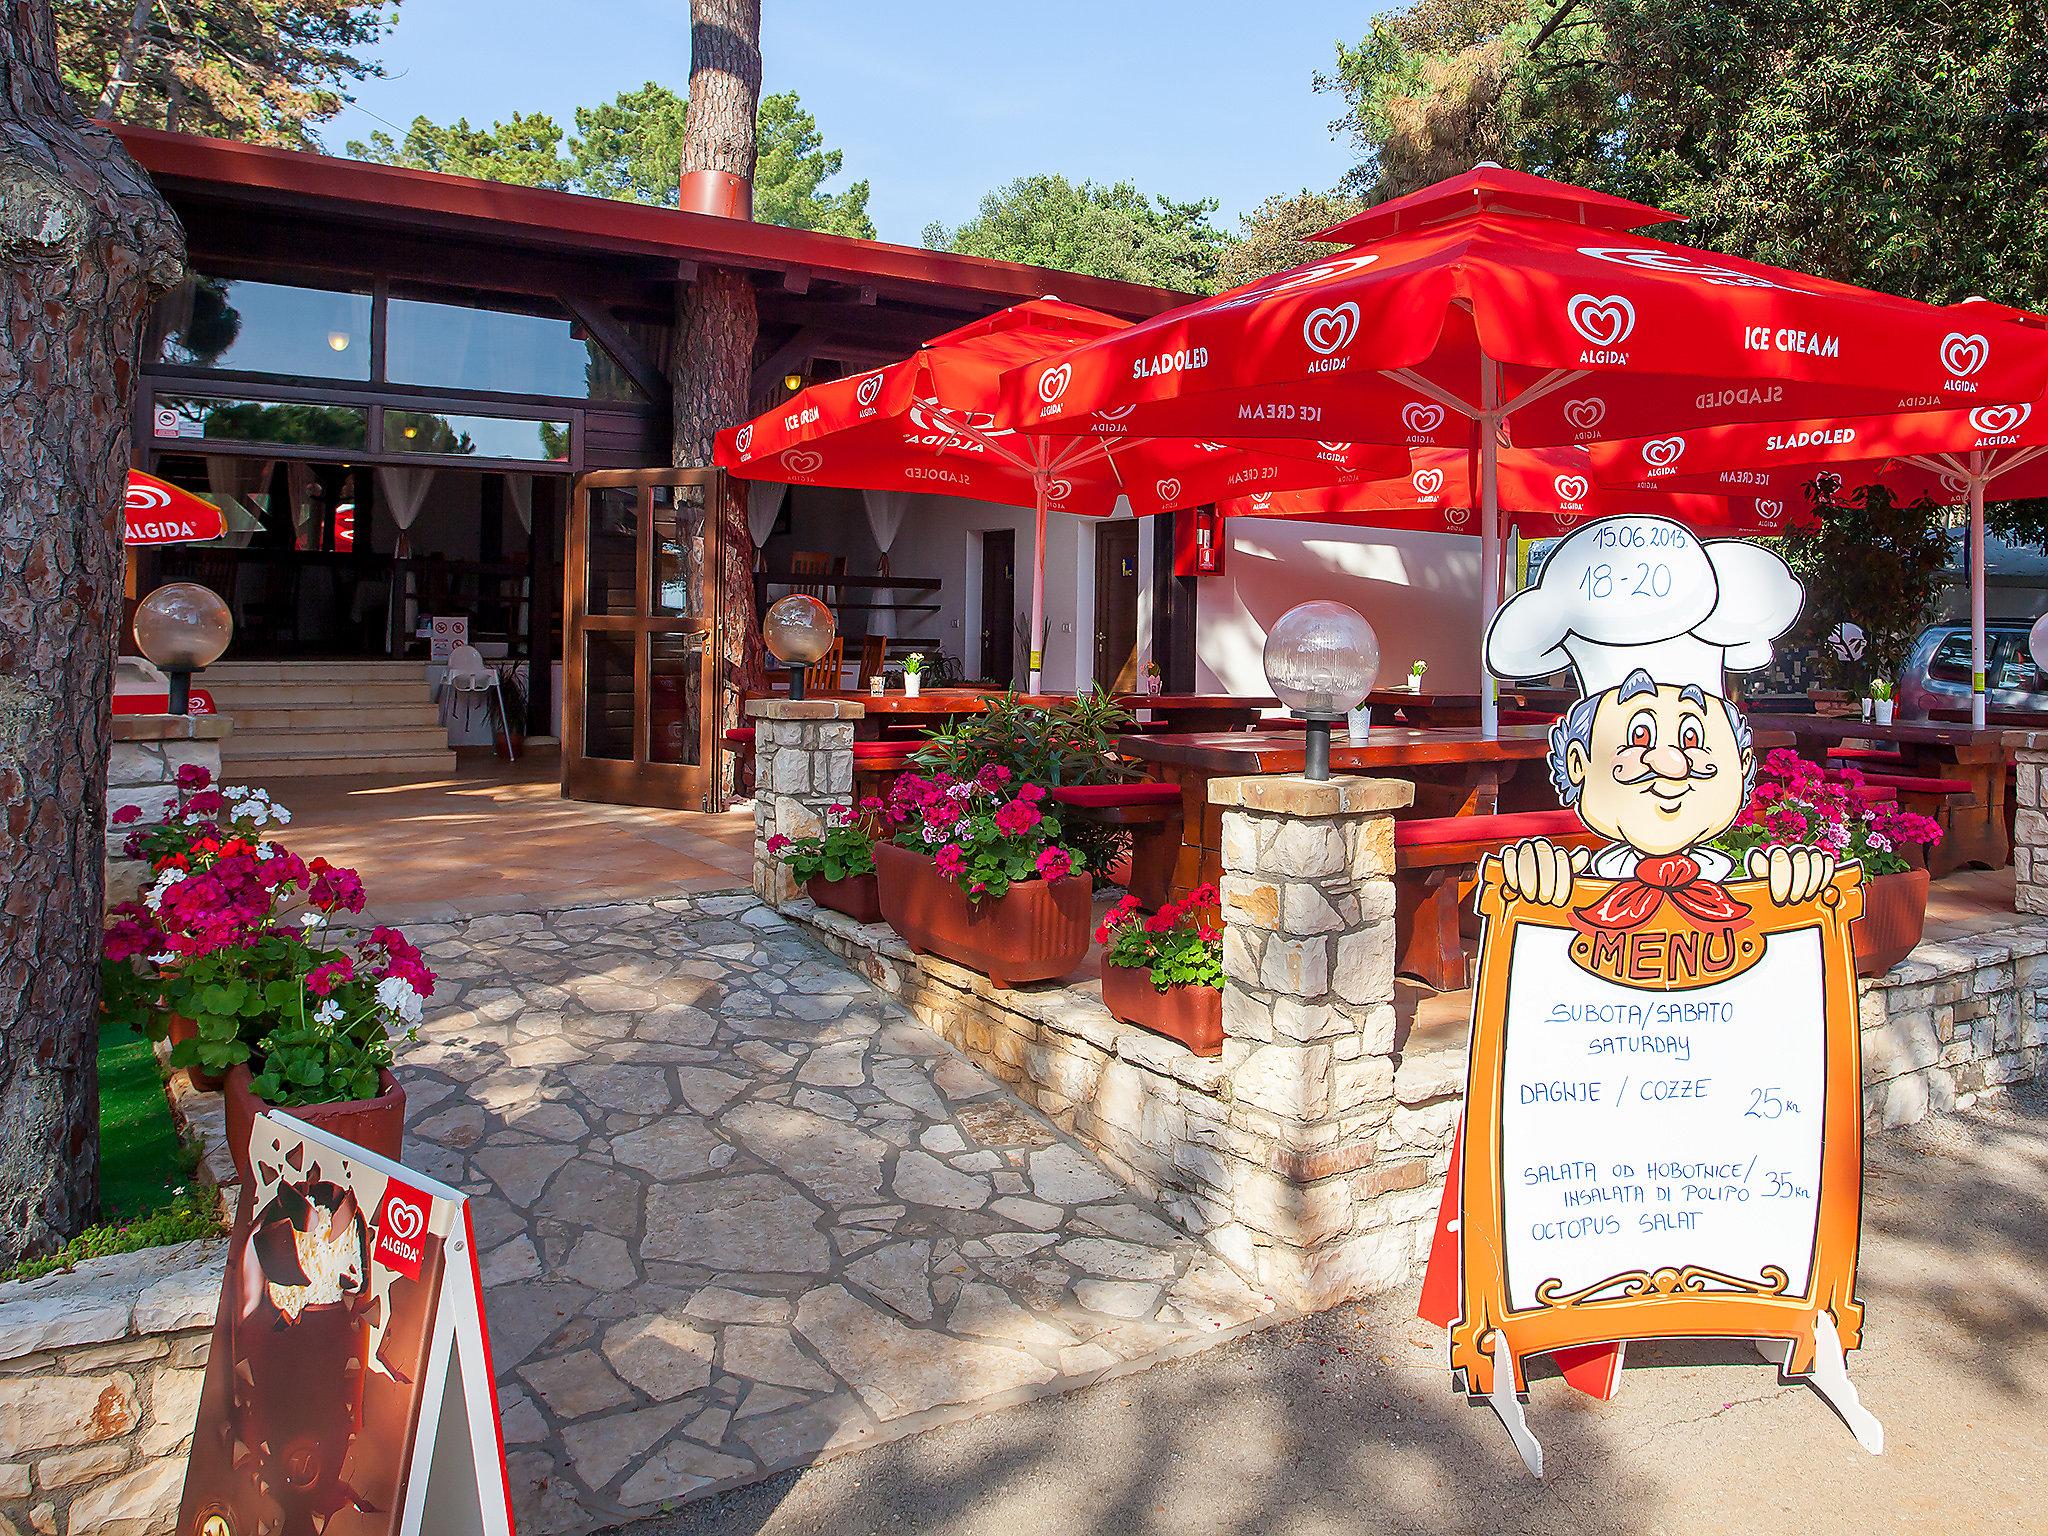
(141,1162)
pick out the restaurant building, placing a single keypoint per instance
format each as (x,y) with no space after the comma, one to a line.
(398,380)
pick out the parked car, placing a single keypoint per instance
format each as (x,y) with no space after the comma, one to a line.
(1937,672)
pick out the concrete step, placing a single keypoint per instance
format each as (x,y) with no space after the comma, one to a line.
(292,695)
(314,671)
(334,717)
(243,745)
(355,765)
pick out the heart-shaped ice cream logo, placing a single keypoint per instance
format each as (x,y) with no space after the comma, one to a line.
(405,1220)
(1571,487)
(1566,519)
(1058,490)
(1262,499)
(803,461)
(743,437)
(1962,355)
(1457,517)
(147,498)
(1770,511)
(1117,413)
(1991,420)
(1586,414)
(868,388)
(1168,489)
(1955,485)
(1663,452)
(1605,322)
(1054,381)
(1422,417)
(1427,482)
(1333,447)
(1329,331)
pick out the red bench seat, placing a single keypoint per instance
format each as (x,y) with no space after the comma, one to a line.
(1109,796)
(1433,859)
(1151,813)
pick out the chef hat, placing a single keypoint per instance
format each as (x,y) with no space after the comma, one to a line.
(1642,592)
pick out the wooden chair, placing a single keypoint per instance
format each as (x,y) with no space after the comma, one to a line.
(814,562)
(874,649)
(827,673)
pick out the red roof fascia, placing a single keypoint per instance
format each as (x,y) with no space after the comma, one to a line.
(539,216)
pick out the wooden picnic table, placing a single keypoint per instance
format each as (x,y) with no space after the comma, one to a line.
(931,707)
(1977,831)
(1456,771)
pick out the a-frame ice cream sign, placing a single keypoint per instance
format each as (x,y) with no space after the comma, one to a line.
(1663,1118)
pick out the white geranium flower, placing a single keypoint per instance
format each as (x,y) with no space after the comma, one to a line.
(399,998)
(279,814)
(329,1012)
(312,919)
(168,957)
(153,898)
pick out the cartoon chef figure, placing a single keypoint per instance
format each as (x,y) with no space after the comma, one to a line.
(1653,755)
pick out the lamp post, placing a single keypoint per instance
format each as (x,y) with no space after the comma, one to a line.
(1321,660)
(797,631)
(183,627)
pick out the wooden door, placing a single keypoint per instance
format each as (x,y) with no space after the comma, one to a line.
(999,606)
(640,605)
(1116,605)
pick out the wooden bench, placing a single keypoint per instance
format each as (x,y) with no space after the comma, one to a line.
(739,741)
(876,764)
(1434,860)
(1938,798)
(1150,813)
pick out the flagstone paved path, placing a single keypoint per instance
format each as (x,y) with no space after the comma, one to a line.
(737,1209)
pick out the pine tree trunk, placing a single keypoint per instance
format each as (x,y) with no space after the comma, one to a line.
(717,325)
(86,244)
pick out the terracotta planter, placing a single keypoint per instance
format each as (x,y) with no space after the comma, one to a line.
(1191,1015)
(1035,931)
(1894,917)
(377,1125)
(180,1030)
(858,896)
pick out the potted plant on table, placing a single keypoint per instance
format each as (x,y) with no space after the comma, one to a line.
(1882,703)
(976,870)
(1153,679)
(1165,972)
(837,867)
(1415,671)
(1796,802)
(913,674)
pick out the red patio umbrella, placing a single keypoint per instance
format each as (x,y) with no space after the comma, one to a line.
(1498,308)
(159,512)
(928,424)
(1995,452)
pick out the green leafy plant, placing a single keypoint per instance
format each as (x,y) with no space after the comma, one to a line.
(845,850)
(193,1212)
(1873,559)
(1418,669)
(309,1062)
(913,664)
(1181,944)
(1881,689)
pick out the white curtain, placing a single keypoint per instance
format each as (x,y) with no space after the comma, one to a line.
(405,492)
(242,487)
(764,505)
(519,490)
(885,517)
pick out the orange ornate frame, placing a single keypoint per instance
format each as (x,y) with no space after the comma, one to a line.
(1693,1302)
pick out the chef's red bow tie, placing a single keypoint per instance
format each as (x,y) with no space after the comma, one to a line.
(1673,878)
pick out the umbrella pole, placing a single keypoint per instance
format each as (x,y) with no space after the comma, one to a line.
(1488,423)
(1033,640)
(1977,657)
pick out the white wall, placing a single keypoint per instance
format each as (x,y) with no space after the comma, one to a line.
(1418,590)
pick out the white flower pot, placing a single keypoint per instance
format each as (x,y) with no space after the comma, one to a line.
(1358,724)
(912,681)
(1414,683)
(1882,709)
(1867,703)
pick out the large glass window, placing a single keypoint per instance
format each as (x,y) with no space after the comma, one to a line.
(455,346)
(319,333)
(476,437)
(261,421)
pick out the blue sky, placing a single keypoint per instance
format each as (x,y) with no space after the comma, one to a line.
(933,103)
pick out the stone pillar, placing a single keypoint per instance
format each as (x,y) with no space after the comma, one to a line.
(803,763)
(1309,1039)
(142,771)
(2030,825)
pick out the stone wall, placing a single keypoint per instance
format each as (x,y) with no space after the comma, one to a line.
(803,763)
(100,1370)
(142,771)
(2030,825)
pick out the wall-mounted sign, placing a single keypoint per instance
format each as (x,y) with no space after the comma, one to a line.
(1198,541)
(160,513)
(444,633)
(349,1387)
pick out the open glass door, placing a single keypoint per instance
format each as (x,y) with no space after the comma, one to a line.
(640,706)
